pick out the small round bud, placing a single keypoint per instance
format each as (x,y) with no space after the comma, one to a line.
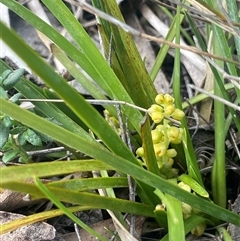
(160,128)
(175,134)
(186,209)
(106,112)
(169,163)
(155,108)
(157,117)
(159,99)
(198,230)
(156,113)
(171,153)
(169,110)
(160,207)
(168,99)
(140,152)
(160,149)
(156,136)
(178,114)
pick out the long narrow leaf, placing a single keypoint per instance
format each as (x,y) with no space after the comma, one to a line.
(46,170)
(84,198)
(18,223)
(51,196)
(129,59)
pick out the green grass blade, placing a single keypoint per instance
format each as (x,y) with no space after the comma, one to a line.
(215,72)
(218,177)
(84,198)
(106,76)
(233,14)
(184,32)
(83,184)
(31,91)
(88,85)
(164,49)
(189,224)
(149,154)
(57,203)
(191,160)
(224,47)
(46,170)
(174,215)
(130,61)
(175,219)
(177,61)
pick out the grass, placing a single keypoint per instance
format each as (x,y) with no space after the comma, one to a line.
(125,79)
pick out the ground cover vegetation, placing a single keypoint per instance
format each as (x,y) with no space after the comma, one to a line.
(170,141)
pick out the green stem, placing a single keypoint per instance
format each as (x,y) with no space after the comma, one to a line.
(218,171)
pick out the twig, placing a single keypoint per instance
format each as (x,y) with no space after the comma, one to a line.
(131,185)
(133,31)
(46,151)
(77,232)
(215,97)
(94,102)
(232,78)
(103,102)
(235,145)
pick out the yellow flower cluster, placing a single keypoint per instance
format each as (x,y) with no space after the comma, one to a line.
(188,210)
(164,108)
(164,133)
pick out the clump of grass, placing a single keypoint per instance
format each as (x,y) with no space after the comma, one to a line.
(125,80)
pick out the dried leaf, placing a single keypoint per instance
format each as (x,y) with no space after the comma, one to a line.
(34,232)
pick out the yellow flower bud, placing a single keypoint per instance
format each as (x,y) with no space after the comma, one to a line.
(186,210)
(157,117)
(169,110)
(160,149)
(198,230)
(169,163)
(168,99)
(156,136)
(178,114)
(140,152)
(160,207)
(160,128)
(159,99)
(156,113)
(155,108)
(175,134)
(171,153)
